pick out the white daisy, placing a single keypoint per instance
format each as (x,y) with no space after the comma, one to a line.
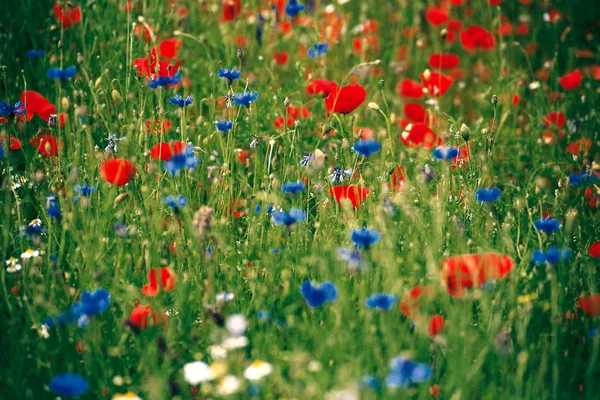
(13,265)
(30,253)
(258,370)
(235,342)
(228,385)
(236,324)
(197,372)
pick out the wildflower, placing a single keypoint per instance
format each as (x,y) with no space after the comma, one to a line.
(91,303)
(224,126)
(30,253)
(46,144)
(488,195)
(321,87)
(346,99)
(168,278)
(381,301)
(62,74)
(367,147)
(284,218)
(258,370)
(236,324)
(179,101)
(547,224)
(293,8)
(364,237)
(435,83)
(473,270)
(83,191)
(126,396)
(570,81)
(175,202)
(229,74)
(552,256)
(117,171)
(411,302)
(444,61)
(316,296)
(445,153)
(67,16)
(224,297)
(338,174)
(406,372)
(590,305)
(17,109)
(255,141)
(356,194)
(69,385)
(36,53)
(235,342)
(419,134)
(435,325)
(163,81)
(585,178)
(245,99)
(475,37)
(318,49)
(179,161)
(13,265)
(52,206)
(197,372)
(594,249)
(228,385)
(410,89)
(306,159)
(371,382)
(292,187)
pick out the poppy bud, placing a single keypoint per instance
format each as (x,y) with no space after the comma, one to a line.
(286,101)
(240,53)
(116,96)
(65,103)
(444,33)
(494,100)
(79,58)
(373,106)
(465,132)
(381,83)
(60,44)
(426,75)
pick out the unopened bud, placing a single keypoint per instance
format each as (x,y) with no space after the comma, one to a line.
(465,132)
(60,44)
(286,101)
(444,33)
(64,102)
(381,83)
(240,53)
(494,99)
(426,74)
(79,58)
(373,106)
(116,96)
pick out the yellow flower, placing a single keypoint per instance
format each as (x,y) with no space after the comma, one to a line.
(126,396)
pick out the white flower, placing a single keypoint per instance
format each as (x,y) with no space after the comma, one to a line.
(29,253)
(36,222)
(197,372)
(224,297)
(235,342)
(126,396)
(228,385)
(43,331)
(13,265)
(217,352)
(236,324)
(258,370)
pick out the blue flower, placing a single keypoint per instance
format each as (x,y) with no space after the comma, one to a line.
(36,53)
(293,8)
(585,178)
(552,256)
(352,257)
(57,73)
(245,98)
(367,147)
(229,74)
(338,174)
(69,385)
(179,161)
(547,224)
(1,151)
(318,49)
(370,382)
(84,191)
(292,187)
(174,202)
(179,101)
(91,303)
(283,218)
(52,206)
(405,372)
(445,153)
(364,237)
(316,296)
(165,81)
(224,126)
(381,301)
(6,109)
(488,195)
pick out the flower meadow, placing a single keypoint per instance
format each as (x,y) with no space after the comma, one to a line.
(300,199)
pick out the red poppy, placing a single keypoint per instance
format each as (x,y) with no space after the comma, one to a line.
(473,270)
(436,84)
(505,29)
(293,112)
(594,249)
(494,2)
(164,151)
(397,178)
(475,37)
(419,134)
(411,302)
(435,325)
(168,278)
(281,57)
(460,161)
(591,197)
(67,16)
(590,305)
(36,104)
(156,127)
(580,146)
(243,156)
(556,119)
(410,89)
(415,112)
(169,49)
(522,30)
(149,66)
(140,314)
(571,81)
(356,194)
(436,15)
(14,143)
(231,9)
(444,60)
(320,86)
(516,99)
(346,99)
(46,144)
(117,171)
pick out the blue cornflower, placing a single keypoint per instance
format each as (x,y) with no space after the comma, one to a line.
(306,159)
(316,296)
(370,382)
(352,257)
(52,206)
(547,224)
(165,81)
(36,53)
(112,140)
(292,187)
(229,74)
(585,178)
(405,372)
(244,99)
(84,191)
(179,161)
(175,202)
(6,109)
(318,49)
(428,173)
(69,385)
(57,73)
(293,8)
(1,151)
(364,237)
(338,174)
(367,147)
(552,256)
(445,153)
(488,195)
(381,301)
(224,126)
(284,218)
(263,314)
(179,101)
(91,303)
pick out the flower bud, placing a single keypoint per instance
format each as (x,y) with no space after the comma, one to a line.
(465,132)
(374,106)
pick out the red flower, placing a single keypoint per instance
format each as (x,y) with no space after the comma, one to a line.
(594,249)
(590,305)
(475,37)
(515,100)
(522,30)
(356,194)
(156,127)
(435,325)
(580,146)
(346,99)
(140,314)
(415,112)
(419,134)
(320,86)
(36,104)
(494,2)
(410,89)
(231,9)
(554,119)
(398,178)
(14,143)
(117,171)
(169,49)
(411,302)
(149,66)
(47,145)
(68,16)
(281,57)
(436,84)
(168,278)
(165,151)
(444,61)
(436,15)
(473,270)
(571,81)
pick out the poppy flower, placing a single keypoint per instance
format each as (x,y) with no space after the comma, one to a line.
(155,127)
(410,89)
(231,9)
(164,151)
(418,134)
(117,171)
(169,48)
(397,178)
(594,249)
(356,194)
(435,325)
(436,15)
(346,99)
(436,84)
(570,81)
(281,57)
(444,61)
(46,144)
(415,112)
(67,16)
(411,302)
(14,143)
(473,270)
(320,86)
(317,295)
(36,104)
(475,37)
(590,305)
(140,314)
(168,278)
(556,119)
